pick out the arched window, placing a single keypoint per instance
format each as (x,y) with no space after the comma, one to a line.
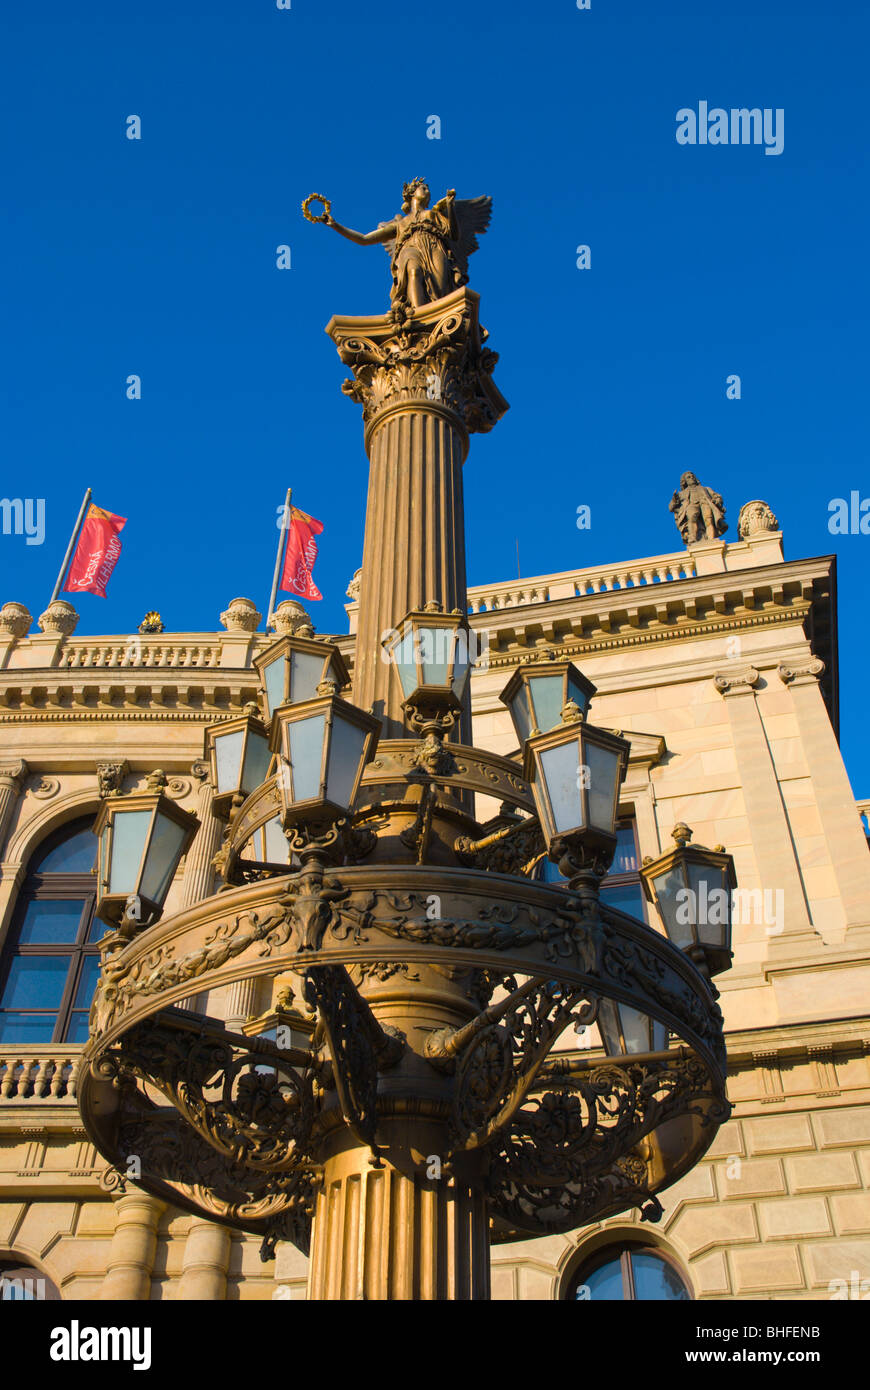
(628,1271)
(51,961)
(22,1283)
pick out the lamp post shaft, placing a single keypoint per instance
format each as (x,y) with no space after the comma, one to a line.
(425,385)
(414,548)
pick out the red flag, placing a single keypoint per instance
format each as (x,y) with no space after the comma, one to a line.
(96,553)
(300,554)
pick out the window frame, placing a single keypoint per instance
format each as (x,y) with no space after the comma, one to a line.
(54,887)
(631,879)
(623,1250)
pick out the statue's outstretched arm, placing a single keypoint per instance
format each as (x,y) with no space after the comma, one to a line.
(384,233)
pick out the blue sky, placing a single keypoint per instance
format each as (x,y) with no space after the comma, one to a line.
(158,257)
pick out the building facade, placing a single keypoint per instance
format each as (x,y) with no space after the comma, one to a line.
(719,663)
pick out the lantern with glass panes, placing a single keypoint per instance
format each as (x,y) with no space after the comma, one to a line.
(323,746)
(430,654)
(691,888)
(141,840)
(291,669)
(239,757)
(625,1030)
(576,771)
(538,691)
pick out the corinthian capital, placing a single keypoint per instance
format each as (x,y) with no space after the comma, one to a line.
(431,358)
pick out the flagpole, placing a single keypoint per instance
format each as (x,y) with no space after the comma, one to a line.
(270,612)
(71,547)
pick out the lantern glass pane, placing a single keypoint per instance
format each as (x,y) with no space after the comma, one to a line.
(709,884)
(603,765)
(577,693)
(436,652)
(257,758)
(103,867)
(520,713)
(164,853)
(306,673)
(404,655)
(546,694)
(561,771)
(608,1027)
(462,662)
(276,847)
(676,906)
(637,1029)
(228,756)
(129,832)
(346,750)
(305,752)
(273,680)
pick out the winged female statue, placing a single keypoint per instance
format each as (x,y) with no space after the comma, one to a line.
(428,246)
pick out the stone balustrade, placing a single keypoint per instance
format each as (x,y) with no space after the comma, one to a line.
(38,1073)
(134,652)
(631,574)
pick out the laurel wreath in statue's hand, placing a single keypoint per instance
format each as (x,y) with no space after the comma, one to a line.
(317,198)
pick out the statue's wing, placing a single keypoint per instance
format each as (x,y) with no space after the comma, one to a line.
(472,217)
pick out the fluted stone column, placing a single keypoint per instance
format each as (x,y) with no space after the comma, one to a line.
(206,1261)
(12,777)
(844,834)
(241,999)
(134,1245)
(425,385)
(199,874)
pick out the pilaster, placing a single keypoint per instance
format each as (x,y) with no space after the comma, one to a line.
(769,829)
(844,834)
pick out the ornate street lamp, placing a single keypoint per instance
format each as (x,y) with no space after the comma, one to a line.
(537,693)
(691,888)
(239,756)
(291,669)
(323,746)
(142,837)
(438,979)
(575,772)
(430,654)
(625,1030)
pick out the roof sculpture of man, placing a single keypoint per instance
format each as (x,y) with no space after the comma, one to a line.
(698,511)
